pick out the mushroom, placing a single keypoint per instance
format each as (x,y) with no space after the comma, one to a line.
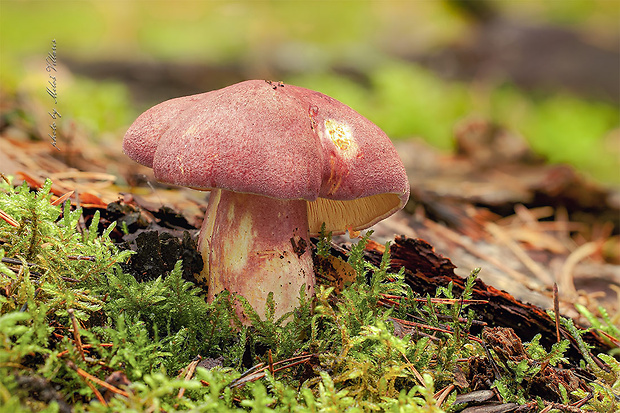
(280,161)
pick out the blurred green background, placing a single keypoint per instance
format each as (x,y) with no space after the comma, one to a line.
(548,70)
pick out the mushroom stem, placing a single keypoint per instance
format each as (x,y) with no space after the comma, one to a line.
(252,245)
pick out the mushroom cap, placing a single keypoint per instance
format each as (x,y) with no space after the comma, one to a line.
(275,140)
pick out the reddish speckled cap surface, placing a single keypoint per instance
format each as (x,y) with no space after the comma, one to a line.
(275,140)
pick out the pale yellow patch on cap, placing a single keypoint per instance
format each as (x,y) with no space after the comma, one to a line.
(341,135)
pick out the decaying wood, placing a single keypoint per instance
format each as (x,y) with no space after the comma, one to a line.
(425,270)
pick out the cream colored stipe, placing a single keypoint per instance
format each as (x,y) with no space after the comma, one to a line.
(356,214)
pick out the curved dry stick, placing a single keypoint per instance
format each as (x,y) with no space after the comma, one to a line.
(566,279)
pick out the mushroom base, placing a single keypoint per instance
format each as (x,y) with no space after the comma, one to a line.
(252,245)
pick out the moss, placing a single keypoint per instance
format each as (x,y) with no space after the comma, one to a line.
(67,325)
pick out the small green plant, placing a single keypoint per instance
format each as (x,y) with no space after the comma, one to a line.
(577,334)
(67,324)
(519,373)
(603,322)
(58,265)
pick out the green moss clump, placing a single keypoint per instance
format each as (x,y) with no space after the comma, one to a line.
(68,324)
